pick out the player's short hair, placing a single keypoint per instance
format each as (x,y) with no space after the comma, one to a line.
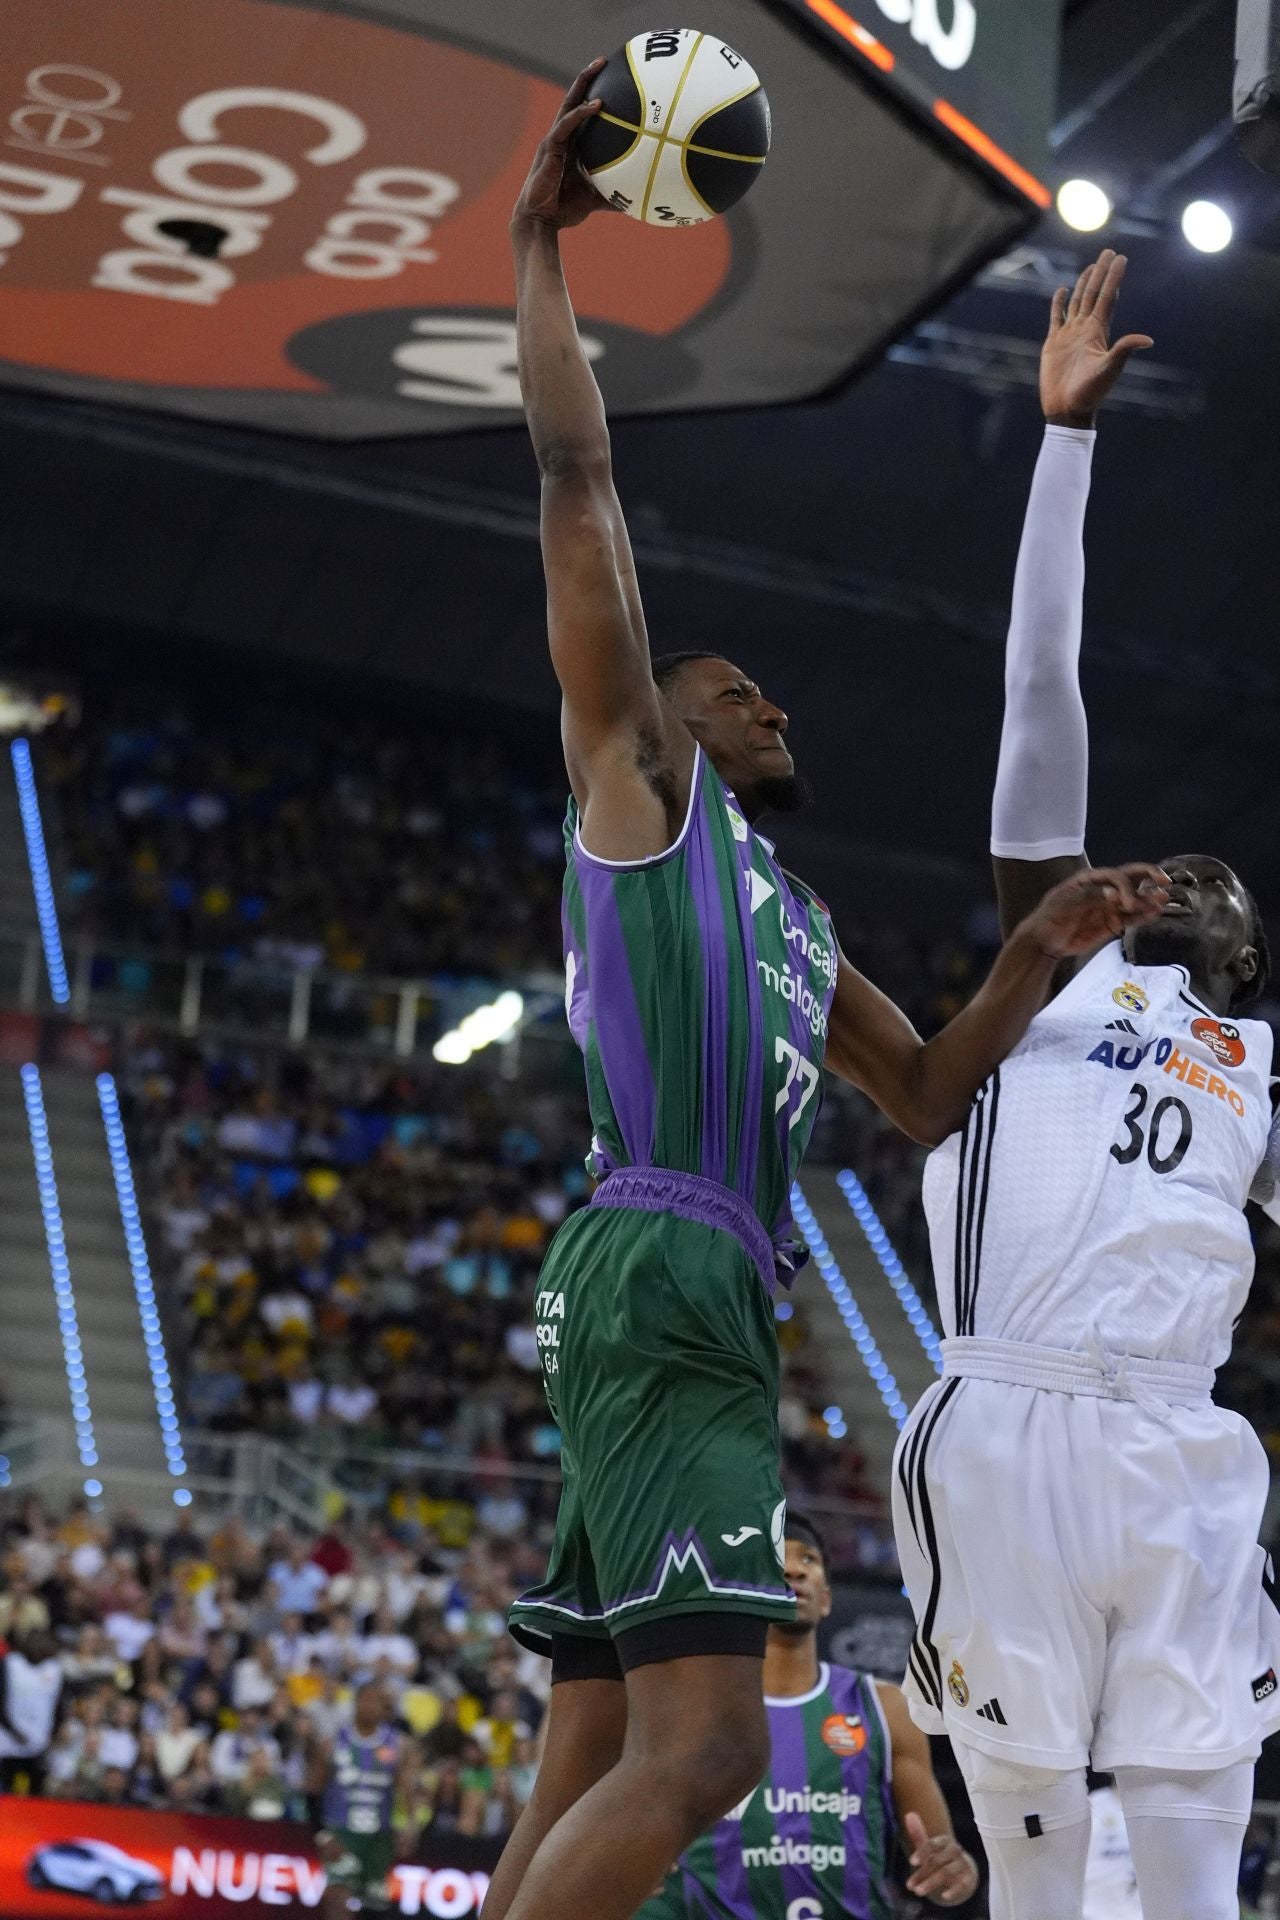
(800,1527)
(667,665)
(1250,990)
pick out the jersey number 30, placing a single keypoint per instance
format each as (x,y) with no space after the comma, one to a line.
(796,1065)
(1127,1151)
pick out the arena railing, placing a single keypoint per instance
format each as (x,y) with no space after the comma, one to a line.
(272,1000)
(265,1482)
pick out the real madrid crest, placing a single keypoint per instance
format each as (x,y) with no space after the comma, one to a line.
(1130,996)
(957,1685)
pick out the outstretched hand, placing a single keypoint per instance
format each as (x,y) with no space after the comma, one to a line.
(557,192)
(942,1870)
(1095,905)
(1079,366)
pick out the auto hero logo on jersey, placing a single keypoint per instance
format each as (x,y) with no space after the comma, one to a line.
(1222,1039)
(844,1733)
(1131,996)
(1179,1066)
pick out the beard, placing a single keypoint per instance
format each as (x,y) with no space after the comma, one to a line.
(792,1629)
(783,793)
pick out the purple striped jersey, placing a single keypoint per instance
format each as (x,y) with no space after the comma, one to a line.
(359,1792)
(817,1835)
(699,987)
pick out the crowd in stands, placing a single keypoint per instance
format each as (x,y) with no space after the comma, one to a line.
(308,839)
(210,1671)
(314,840)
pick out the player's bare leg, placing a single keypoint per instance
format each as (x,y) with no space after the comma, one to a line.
(696,1743)
(586,1724)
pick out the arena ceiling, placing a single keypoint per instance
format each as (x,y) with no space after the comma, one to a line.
(854,553)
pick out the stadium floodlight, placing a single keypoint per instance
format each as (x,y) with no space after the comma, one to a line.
(1207,226)
(1083,205)
(496,1020)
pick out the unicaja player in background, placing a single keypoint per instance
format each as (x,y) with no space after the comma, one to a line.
(1077,1520)
(849,1790)
(364,1771)
(707,992)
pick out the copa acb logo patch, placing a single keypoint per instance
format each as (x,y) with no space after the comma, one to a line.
(1222,1039)
(844,1733)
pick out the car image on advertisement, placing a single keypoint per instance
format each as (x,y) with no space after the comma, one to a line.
(95,1869)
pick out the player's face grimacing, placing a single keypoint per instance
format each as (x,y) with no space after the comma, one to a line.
(742,734)
(1206,924)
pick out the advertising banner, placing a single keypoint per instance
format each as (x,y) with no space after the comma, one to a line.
(293,214)
(67,1859)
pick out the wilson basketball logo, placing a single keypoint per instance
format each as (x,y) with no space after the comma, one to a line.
(1222,1039)
(844,1733)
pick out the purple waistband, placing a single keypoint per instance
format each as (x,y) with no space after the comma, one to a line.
(691,1197)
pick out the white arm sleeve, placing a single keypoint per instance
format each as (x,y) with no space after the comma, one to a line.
(1266,1181)
(1043,776)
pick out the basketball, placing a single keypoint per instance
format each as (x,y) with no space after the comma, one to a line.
(682,131)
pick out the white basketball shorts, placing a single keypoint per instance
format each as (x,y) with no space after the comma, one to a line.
(1086,1578)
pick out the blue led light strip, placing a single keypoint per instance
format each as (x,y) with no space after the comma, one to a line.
(847,1307)
(38,862)
(60,1268)
(894,1271)
(143,1285)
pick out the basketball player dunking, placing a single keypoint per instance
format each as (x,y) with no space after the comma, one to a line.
(705,989)
(1077,1521)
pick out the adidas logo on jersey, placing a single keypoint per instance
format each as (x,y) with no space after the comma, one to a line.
(1121,1026)
(991,1711)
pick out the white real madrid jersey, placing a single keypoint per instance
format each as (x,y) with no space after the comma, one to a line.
(1097,1189)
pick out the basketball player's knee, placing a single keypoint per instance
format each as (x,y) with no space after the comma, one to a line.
(712,1771)
(1218,1793)
(1016,1802)
(1185,1834)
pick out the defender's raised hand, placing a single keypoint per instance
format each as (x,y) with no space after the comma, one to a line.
(1079,366)
(557,192)
(1095,905)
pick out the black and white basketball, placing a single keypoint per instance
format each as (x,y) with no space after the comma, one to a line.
(682,131)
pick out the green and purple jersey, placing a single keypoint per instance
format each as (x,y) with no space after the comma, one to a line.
(815,1839)
(360,1790)
(699,987)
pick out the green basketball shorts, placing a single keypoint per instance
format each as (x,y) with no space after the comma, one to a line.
(660,1360)
(365,1865)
